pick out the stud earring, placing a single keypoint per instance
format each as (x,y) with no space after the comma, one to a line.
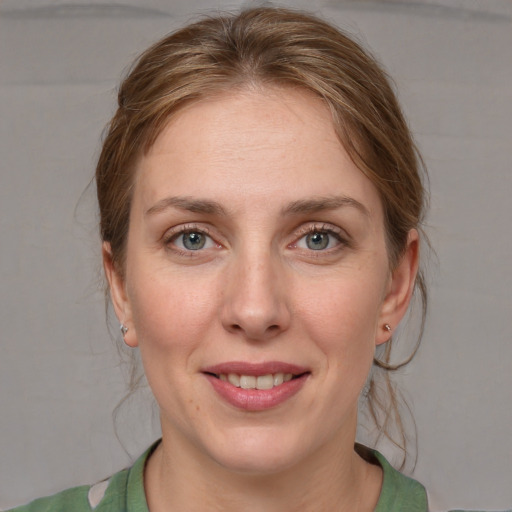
(123,329)
(387,327)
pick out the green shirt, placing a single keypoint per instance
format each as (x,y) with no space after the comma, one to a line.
(124,492)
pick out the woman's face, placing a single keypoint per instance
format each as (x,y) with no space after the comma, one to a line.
(256,253)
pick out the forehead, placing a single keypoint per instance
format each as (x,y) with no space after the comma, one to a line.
(248,119)
(252,144)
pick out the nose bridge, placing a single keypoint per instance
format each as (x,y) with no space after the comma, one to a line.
(255,300)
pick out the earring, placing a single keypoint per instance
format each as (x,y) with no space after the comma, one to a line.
(123,329)
(387,327)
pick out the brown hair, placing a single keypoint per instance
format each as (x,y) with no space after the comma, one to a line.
(275,47)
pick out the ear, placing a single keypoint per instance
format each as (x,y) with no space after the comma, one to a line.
(118,295)
(399,289)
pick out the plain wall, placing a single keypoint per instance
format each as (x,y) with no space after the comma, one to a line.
(60,373)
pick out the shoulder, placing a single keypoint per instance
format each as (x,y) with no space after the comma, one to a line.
(399,493)
(123,492)
(72,499)
(402,493)
(108,495)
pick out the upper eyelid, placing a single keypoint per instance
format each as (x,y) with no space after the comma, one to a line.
(175,231)
(322,227)
(319,226)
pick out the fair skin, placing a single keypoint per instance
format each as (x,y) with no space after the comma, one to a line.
(254,239)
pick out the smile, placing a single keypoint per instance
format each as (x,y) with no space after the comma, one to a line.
(256,387)
(268,381)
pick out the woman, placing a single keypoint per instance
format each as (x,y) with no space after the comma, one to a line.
(261,205)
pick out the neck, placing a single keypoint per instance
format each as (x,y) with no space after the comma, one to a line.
(339,481)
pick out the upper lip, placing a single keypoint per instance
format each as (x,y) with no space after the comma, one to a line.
(255,369)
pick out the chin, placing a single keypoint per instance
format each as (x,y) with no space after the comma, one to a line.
(259,453)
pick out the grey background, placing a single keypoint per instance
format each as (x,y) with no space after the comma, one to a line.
(60,373)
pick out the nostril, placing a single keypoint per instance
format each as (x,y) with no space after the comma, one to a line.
(270,331)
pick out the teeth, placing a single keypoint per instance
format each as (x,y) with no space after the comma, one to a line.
(247,381)
(278,379)
(265,382)
(234,379)
(260,382)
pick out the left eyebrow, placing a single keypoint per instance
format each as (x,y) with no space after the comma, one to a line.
(318,204)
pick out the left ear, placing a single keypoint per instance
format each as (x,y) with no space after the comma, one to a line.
(399,289)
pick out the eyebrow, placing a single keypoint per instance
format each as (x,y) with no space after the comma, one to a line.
(301,206)
(318,204)
(187,203)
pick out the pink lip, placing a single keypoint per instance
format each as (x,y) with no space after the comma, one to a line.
(256,399)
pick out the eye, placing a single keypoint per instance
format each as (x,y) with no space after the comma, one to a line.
(319,240)
(192,241)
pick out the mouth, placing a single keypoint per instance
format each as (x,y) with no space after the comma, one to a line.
(256,387)
(262,382)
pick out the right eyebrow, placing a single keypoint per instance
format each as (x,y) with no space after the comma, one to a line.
(187,203)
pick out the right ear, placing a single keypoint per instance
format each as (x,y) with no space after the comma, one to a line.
(118,295)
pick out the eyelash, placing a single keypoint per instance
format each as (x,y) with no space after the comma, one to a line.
(169,239)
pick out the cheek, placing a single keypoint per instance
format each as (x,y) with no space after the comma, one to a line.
(342,319)
(171,316)
(170,312)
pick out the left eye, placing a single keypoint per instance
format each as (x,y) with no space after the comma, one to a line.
(193,241)
(318,241)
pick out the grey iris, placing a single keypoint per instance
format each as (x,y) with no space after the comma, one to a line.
(317,241)
(193,241)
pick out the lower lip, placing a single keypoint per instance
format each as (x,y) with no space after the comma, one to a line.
(257,399)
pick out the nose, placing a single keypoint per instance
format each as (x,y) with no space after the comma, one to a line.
(255,301)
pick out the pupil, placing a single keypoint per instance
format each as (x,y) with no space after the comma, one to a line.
(193,241)
(317,241)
